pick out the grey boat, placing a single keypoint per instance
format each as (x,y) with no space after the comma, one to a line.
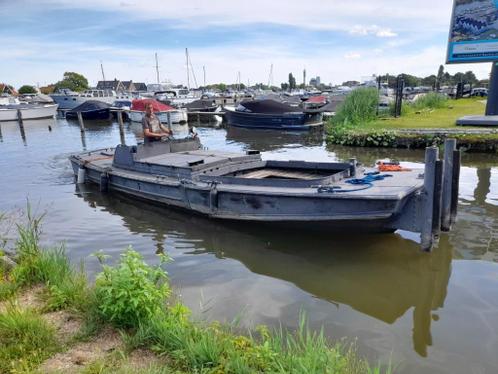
(291,194)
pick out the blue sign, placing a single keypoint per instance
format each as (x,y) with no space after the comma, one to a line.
(474,31)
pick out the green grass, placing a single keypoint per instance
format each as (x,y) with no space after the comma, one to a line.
(444,117)
(26,340)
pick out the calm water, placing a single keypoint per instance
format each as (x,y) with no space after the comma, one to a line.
(427,313)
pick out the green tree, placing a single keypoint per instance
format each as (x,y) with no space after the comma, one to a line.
(440,77)
(470,77)
(284,86)
(26,89)
(292,82)
(73,81)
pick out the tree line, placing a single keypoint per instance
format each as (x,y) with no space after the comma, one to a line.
(436,81)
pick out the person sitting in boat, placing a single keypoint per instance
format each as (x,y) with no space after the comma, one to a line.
(153,129)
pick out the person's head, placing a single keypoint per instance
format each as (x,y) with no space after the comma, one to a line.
(148,109)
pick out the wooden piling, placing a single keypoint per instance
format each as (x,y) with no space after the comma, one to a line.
(80,121)
(455,185)
(121,126)
(449,149)
(168,116)
(427,234)
(19,118)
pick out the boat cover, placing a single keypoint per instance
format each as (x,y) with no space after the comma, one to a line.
(317,99)
(266,106)
(90,105)
(139,104)
(201,104)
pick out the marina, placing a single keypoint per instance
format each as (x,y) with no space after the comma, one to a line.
(272,187)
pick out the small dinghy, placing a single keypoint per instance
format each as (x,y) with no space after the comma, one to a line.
(91,110)
(291,194)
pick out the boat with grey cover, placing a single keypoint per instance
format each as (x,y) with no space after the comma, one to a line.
(292,194)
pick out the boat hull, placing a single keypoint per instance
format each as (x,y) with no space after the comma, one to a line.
(177,116)
(311,211)
(284,121)
(28,113)
(101,114)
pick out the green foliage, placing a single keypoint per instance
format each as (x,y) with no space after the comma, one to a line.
(131,292)
(73,81)
(431,100)
(27,340)
(362,138)
(359,107)
(26,89)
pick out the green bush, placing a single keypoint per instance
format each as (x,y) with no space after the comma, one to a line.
(359,107)
(372,138)
(26,340)
(132,291)
(432,100)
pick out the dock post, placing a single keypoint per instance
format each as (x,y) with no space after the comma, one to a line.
(352,167)
(449,150)
(427,233)
(19,118)
(121,126)
(1,136)
(168,116)
(80,121)
(21,124)
(457,159)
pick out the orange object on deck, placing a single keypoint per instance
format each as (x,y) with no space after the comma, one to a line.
(391,167)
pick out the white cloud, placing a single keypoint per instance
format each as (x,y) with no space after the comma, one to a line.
(375,30)
(352,55)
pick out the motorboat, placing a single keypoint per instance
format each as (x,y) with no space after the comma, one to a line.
(272,114)
(68,99)
(11,112)
(292,194)
(91,110)
(165,113)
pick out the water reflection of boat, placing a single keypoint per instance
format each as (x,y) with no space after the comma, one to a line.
(267,140)
(386,278)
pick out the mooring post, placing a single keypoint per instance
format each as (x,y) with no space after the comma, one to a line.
(426,233)
(1,137)
(168,116)
(80,121)
(457,158)
(352,168)
(19,118)
(449,150)
(121,126)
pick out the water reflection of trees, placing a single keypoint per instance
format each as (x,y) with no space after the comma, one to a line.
(382,276)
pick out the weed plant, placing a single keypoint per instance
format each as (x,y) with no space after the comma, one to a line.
(26,340)
(359,107)
(432,100)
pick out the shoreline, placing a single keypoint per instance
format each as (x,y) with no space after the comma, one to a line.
(469,139)
(53,319)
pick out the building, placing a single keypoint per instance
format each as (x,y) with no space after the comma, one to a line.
(315,82)
(116,85)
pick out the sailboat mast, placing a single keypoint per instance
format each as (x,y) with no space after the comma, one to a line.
(157,70)
(270,77)
(102,69)
(204,71)
(188,73)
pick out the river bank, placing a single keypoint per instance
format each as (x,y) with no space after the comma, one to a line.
(53,319)
(417,129)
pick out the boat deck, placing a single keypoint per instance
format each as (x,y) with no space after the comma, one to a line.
(398,185)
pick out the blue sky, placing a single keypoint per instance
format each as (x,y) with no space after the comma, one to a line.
(334,39)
